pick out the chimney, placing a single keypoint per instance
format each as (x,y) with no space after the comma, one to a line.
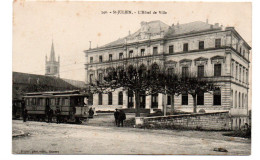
(129,33)
(178,25)
(89,44)
(217,24)
(207,21)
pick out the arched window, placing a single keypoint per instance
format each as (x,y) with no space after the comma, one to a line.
(235,99)
(120,98)
(110,98)
(239,99)
(217,97)
(231,98)
(170,71)
(100,99)
(242,105)
(155,69)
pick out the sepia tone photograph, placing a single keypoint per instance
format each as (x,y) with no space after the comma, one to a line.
(131,78)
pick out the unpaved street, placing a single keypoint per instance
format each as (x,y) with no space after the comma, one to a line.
(54,138)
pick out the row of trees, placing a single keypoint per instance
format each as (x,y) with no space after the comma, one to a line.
(147,81)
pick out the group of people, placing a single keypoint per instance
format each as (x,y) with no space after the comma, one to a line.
(119,117)
(50,115)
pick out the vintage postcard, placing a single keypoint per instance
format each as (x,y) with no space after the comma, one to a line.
(123,78)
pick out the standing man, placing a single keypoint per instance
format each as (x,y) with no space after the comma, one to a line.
(121,118)
(58,114)
(25,114)
(90,113)
(116,115)
(50,114)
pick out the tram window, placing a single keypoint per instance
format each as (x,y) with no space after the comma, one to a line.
(52,101)
(34,101)
(67,102)
(57,101)
(27,102)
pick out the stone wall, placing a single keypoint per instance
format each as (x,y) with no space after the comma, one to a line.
(206,121)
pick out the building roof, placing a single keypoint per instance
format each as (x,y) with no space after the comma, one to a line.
(155,27)
(76,83)
(50,82)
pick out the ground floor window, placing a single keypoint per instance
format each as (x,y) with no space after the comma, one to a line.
(100,97)
(184,99)
(200,98)
(90,99)
(169,98)
(110,98)
(217,97)
(120,98)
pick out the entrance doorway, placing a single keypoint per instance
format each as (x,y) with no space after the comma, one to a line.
(130,99)
(142,100)
(155,100)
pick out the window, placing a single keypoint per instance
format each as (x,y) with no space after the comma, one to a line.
(120,55)
(217,97)
(55,69)
(200,71)
(100,58)
(200,98)
(240,50)
(171,49)
(142,52)
(244,52)
(100,77)
(236,72)
(91,78)
(91,60)
(217,70)
(169,100)
(232,68)
(235,99)
(217,43)
(100,97)
(57,101)
(185,47)
(185,72)
(120,98)
(239,99)
(170,71)
(155,50)
(239,74)
(90,99)
(110,57)
(243,76)
(48,69)
(110,98)
(184,99)
(246,77)
(131,54)
(231,98)
(242,105)
(201,44)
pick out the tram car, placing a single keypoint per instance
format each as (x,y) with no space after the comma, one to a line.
(71,104)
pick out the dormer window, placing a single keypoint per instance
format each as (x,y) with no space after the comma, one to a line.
(120,55)
(110,57)
(217,43)
(131,54)
(171,49)
(185,47)
(100,58)
(155,50)
(201,44)
(91,60)
(142,52)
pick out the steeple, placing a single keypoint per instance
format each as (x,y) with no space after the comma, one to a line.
(52,56)
(52,67)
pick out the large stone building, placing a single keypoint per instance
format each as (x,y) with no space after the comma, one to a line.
(199,48)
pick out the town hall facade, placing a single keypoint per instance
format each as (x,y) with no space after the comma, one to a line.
(198,48)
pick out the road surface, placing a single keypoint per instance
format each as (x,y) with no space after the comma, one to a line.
(51,138)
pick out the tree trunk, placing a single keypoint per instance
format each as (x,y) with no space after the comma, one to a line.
(194,103)
(172,104)
(164,104)
(137,104)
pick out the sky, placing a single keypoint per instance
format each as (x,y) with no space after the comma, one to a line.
(71,25)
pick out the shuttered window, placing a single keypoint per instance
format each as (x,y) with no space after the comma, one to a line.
(200,71)
(217,70)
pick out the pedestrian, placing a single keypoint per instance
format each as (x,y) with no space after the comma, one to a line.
(25,114)
(50,114)
(116,114)
(90,113)
(58,114)
(121,118)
